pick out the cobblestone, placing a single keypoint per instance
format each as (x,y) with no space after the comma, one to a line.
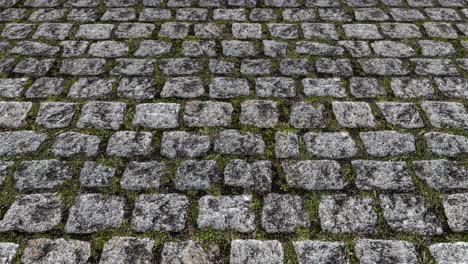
(233,131)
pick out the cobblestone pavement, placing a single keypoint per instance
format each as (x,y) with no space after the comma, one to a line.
(234,131)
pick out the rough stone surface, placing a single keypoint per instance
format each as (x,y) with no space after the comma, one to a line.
(41,174)
(94,212)
(256,251)
(340,214)
(184,144)
(408,213)
(255,176)
(382,175)
(129,143)
(142,175)
(388,143)
(442,174)
(384,251)
(454,206)
(226,212)
(319,251)
(33,213)
(160,212)
(198,175)
(449,252)
(314,174)
(127,249)
(185,252)
(283,213)
(44,251)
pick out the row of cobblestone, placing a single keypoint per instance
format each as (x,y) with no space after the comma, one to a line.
(281,213)
(139,250)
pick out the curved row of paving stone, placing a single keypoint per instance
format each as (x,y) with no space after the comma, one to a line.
(241,131)
(139,250)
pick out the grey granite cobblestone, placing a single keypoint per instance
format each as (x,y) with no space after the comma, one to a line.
(233,131)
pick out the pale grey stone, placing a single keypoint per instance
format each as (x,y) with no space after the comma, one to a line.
(184,144)
(286,145)
(129,144)
(370,251)
(197,175)
(334,145)
(158,115)
(388,143)
(409,213)
(401,114)
(55,114)
(143,175)
(449,253)
(341,214)
(255,176)
(33,213)
(382,175)
(94,212)
(121,250)
(442,174)
(445,144)
(20,142)
(226,87)
(283,213)
(72,143)
(310,251)
(185,252)
(160,212)
(353,114)
(207,114)
(263,114)
(256,251)
(312,175)
(232,141)
(13,114)
(103,115)
(44,251)
(324,87)
(455,206)
(94,174)
(41,174)
(226,213)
